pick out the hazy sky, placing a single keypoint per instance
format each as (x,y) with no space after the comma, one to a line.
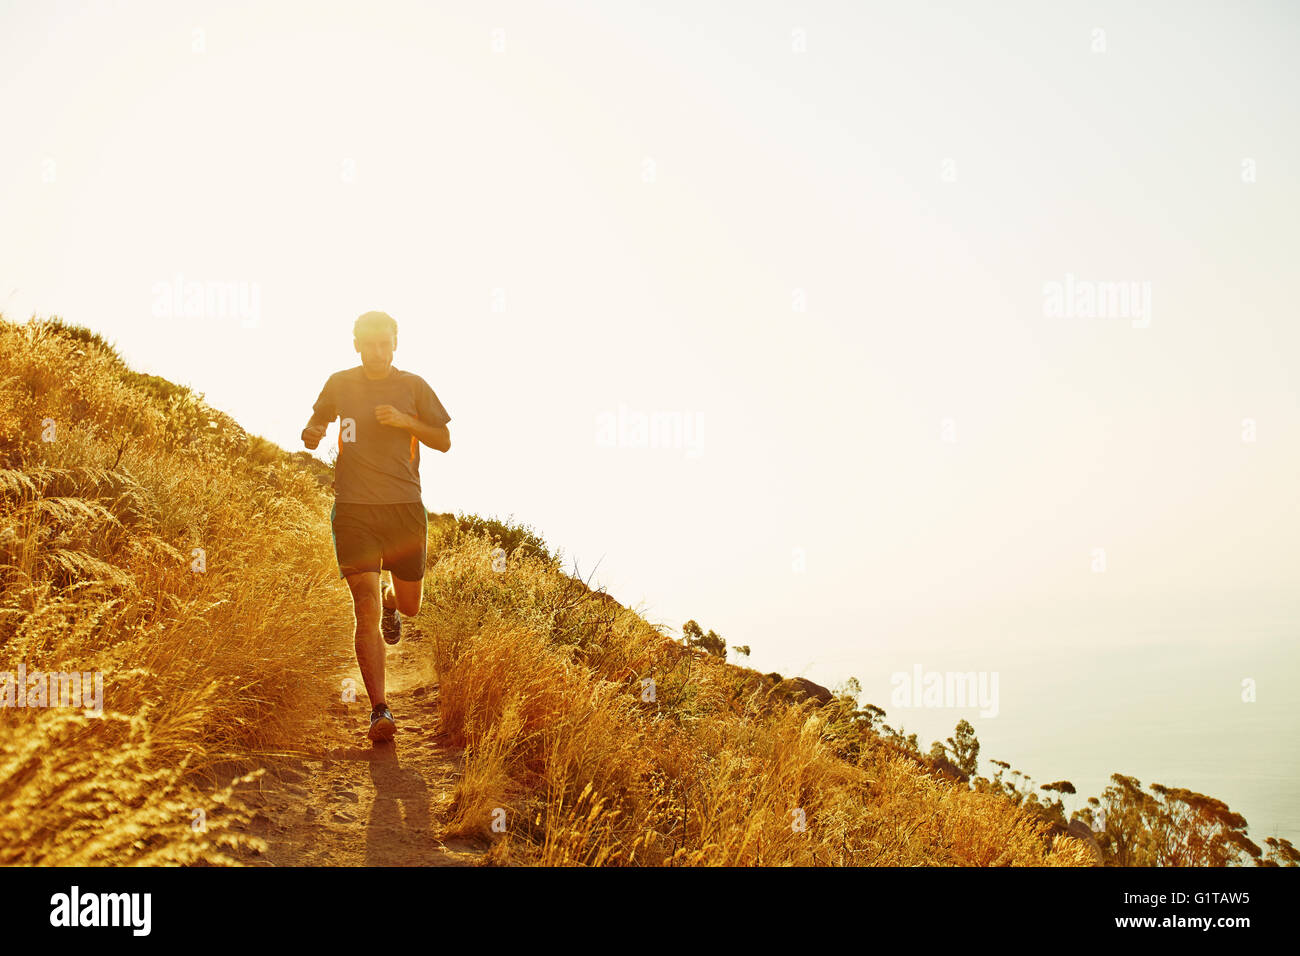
(813,230)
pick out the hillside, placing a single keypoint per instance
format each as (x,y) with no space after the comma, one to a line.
(147,537)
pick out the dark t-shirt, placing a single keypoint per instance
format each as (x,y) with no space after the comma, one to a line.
(377,464)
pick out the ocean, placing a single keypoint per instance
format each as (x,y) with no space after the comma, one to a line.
(1160,691)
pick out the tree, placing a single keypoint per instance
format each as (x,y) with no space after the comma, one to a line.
(1170,826)
(870,716)
(850,689)
(1056,808)
(964,747)
(1198,830)
(905,740)
(711,642)
(996,785)
(1280,853)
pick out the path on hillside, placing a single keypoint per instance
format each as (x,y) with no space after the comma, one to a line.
(355,803)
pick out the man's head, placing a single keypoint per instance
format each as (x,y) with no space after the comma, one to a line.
(374,335)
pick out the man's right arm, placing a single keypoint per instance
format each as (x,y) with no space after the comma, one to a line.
(323,412)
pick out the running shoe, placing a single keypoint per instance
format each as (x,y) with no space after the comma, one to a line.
(390,625)
(382,725)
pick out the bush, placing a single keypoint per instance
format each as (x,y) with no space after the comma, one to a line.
(507,535)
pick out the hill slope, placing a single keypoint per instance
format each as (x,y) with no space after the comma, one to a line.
(149,539)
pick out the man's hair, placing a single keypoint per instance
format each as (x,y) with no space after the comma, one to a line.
(373,321)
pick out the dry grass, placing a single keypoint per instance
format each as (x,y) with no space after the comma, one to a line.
(541,682)
(97,535)
(569,761)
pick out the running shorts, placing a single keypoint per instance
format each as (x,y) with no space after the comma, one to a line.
(374,537)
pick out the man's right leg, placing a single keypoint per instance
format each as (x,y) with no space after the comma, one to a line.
(360,555)
(370,648)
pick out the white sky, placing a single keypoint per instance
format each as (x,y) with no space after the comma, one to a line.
(522,170)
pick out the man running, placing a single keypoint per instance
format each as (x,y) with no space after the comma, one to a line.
(378,518)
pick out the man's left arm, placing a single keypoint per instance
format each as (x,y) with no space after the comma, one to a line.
(435,436)
(429,424)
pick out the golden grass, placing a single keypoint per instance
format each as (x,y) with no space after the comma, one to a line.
(541,682)
(97,535)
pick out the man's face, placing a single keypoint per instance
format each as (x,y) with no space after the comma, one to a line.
(376,350)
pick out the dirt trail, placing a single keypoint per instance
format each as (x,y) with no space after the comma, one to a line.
(354,803)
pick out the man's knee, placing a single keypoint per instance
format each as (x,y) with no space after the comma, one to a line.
(365,602)
(409,595)
(367,614)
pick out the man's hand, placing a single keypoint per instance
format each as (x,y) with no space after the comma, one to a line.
(312,434)
(435,436)
(388,415)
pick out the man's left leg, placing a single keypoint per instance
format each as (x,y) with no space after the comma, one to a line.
(405,554)
(405,596)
